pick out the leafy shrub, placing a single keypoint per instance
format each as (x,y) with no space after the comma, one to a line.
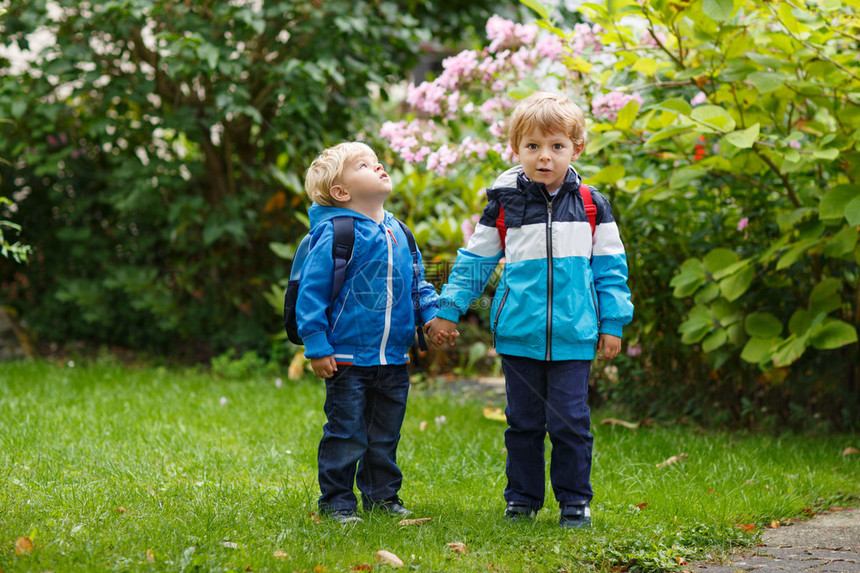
(725,134)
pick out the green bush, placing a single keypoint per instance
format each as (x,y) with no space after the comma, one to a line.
(725,134)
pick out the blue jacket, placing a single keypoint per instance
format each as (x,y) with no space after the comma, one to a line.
(560,287)
(372,321)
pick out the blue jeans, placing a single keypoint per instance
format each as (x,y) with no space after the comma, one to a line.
(547,397)
(365,406)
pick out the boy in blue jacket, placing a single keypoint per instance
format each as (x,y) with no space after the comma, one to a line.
(563,292)
(359,343)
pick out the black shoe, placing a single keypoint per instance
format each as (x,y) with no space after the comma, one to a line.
(392,507)
(575,516)
(519,511)
(344,516)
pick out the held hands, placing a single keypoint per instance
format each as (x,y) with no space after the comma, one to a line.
(608,347)
(324,367)
(439,330)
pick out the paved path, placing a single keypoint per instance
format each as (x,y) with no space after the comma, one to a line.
(827,543)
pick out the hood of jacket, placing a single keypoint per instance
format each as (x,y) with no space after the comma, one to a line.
(319,214)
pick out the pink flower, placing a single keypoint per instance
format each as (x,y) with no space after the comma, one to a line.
(550,47)
(794,144)
(634,350)
(743,223)
(607,106)
(468,226)
(585,39)
(699,99)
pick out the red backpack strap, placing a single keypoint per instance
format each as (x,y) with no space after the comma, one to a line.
(590,209)
(500,225)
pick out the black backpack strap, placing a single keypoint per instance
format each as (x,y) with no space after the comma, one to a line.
(341,252)
(416,274)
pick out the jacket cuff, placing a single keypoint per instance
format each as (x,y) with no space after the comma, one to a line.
(612,327)
(449,313)
(317,346)
(429,314)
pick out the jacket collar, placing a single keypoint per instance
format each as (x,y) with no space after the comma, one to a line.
(538,190)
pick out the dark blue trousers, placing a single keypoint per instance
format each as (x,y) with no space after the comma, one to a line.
(547,397)
(365,406)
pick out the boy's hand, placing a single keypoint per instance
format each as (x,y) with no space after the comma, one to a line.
(439,330)
(608,347)
(324,367)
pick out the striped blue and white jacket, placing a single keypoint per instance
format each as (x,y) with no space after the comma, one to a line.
(560,287)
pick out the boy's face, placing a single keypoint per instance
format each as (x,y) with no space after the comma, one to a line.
(364,179)
(545,157)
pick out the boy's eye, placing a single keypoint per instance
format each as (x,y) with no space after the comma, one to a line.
(558,146)
(532,146)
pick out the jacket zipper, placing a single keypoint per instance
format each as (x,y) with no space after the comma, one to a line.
(499,313)
(389,298)
(549,280)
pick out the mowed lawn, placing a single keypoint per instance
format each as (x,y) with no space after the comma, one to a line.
(105,467)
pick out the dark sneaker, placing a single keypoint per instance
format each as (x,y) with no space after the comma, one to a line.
(518,511)
(392,507)
(344,516)
(575,516)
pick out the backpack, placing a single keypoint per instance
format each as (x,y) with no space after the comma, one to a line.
(590,212)
(344,239)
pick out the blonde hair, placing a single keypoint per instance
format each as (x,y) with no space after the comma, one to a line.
(548,113)
(326,169)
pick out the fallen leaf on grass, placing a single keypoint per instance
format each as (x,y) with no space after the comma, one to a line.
(422,426)
(673,460)
(23,545)
(746,526)
(774,524)
(362,567)
(496,414)
(416,521)
(849,451)
(617,422)
(388,558)
(320,569)
(458,547)
(641,506)
(121,509)
(314,517)
(150,556)
(281,555)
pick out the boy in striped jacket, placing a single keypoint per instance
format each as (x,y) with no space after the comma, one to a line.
(562,299)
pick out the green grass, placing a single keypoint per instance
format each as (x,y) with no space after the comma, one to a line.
(213,487)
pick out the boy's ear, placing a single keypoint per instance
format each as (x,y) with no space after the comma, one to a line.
(339,194)
(578,150)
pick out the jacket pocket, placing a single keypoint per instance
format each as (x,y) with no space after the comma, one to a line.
(596,308)
(340,312)
(499,313)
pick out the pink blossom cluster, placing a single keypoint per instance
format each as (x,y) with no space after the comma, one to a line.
(441,160)
(409,139)
(468,226)
(585,38)
(473,87)
(507,34)
(607,106)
